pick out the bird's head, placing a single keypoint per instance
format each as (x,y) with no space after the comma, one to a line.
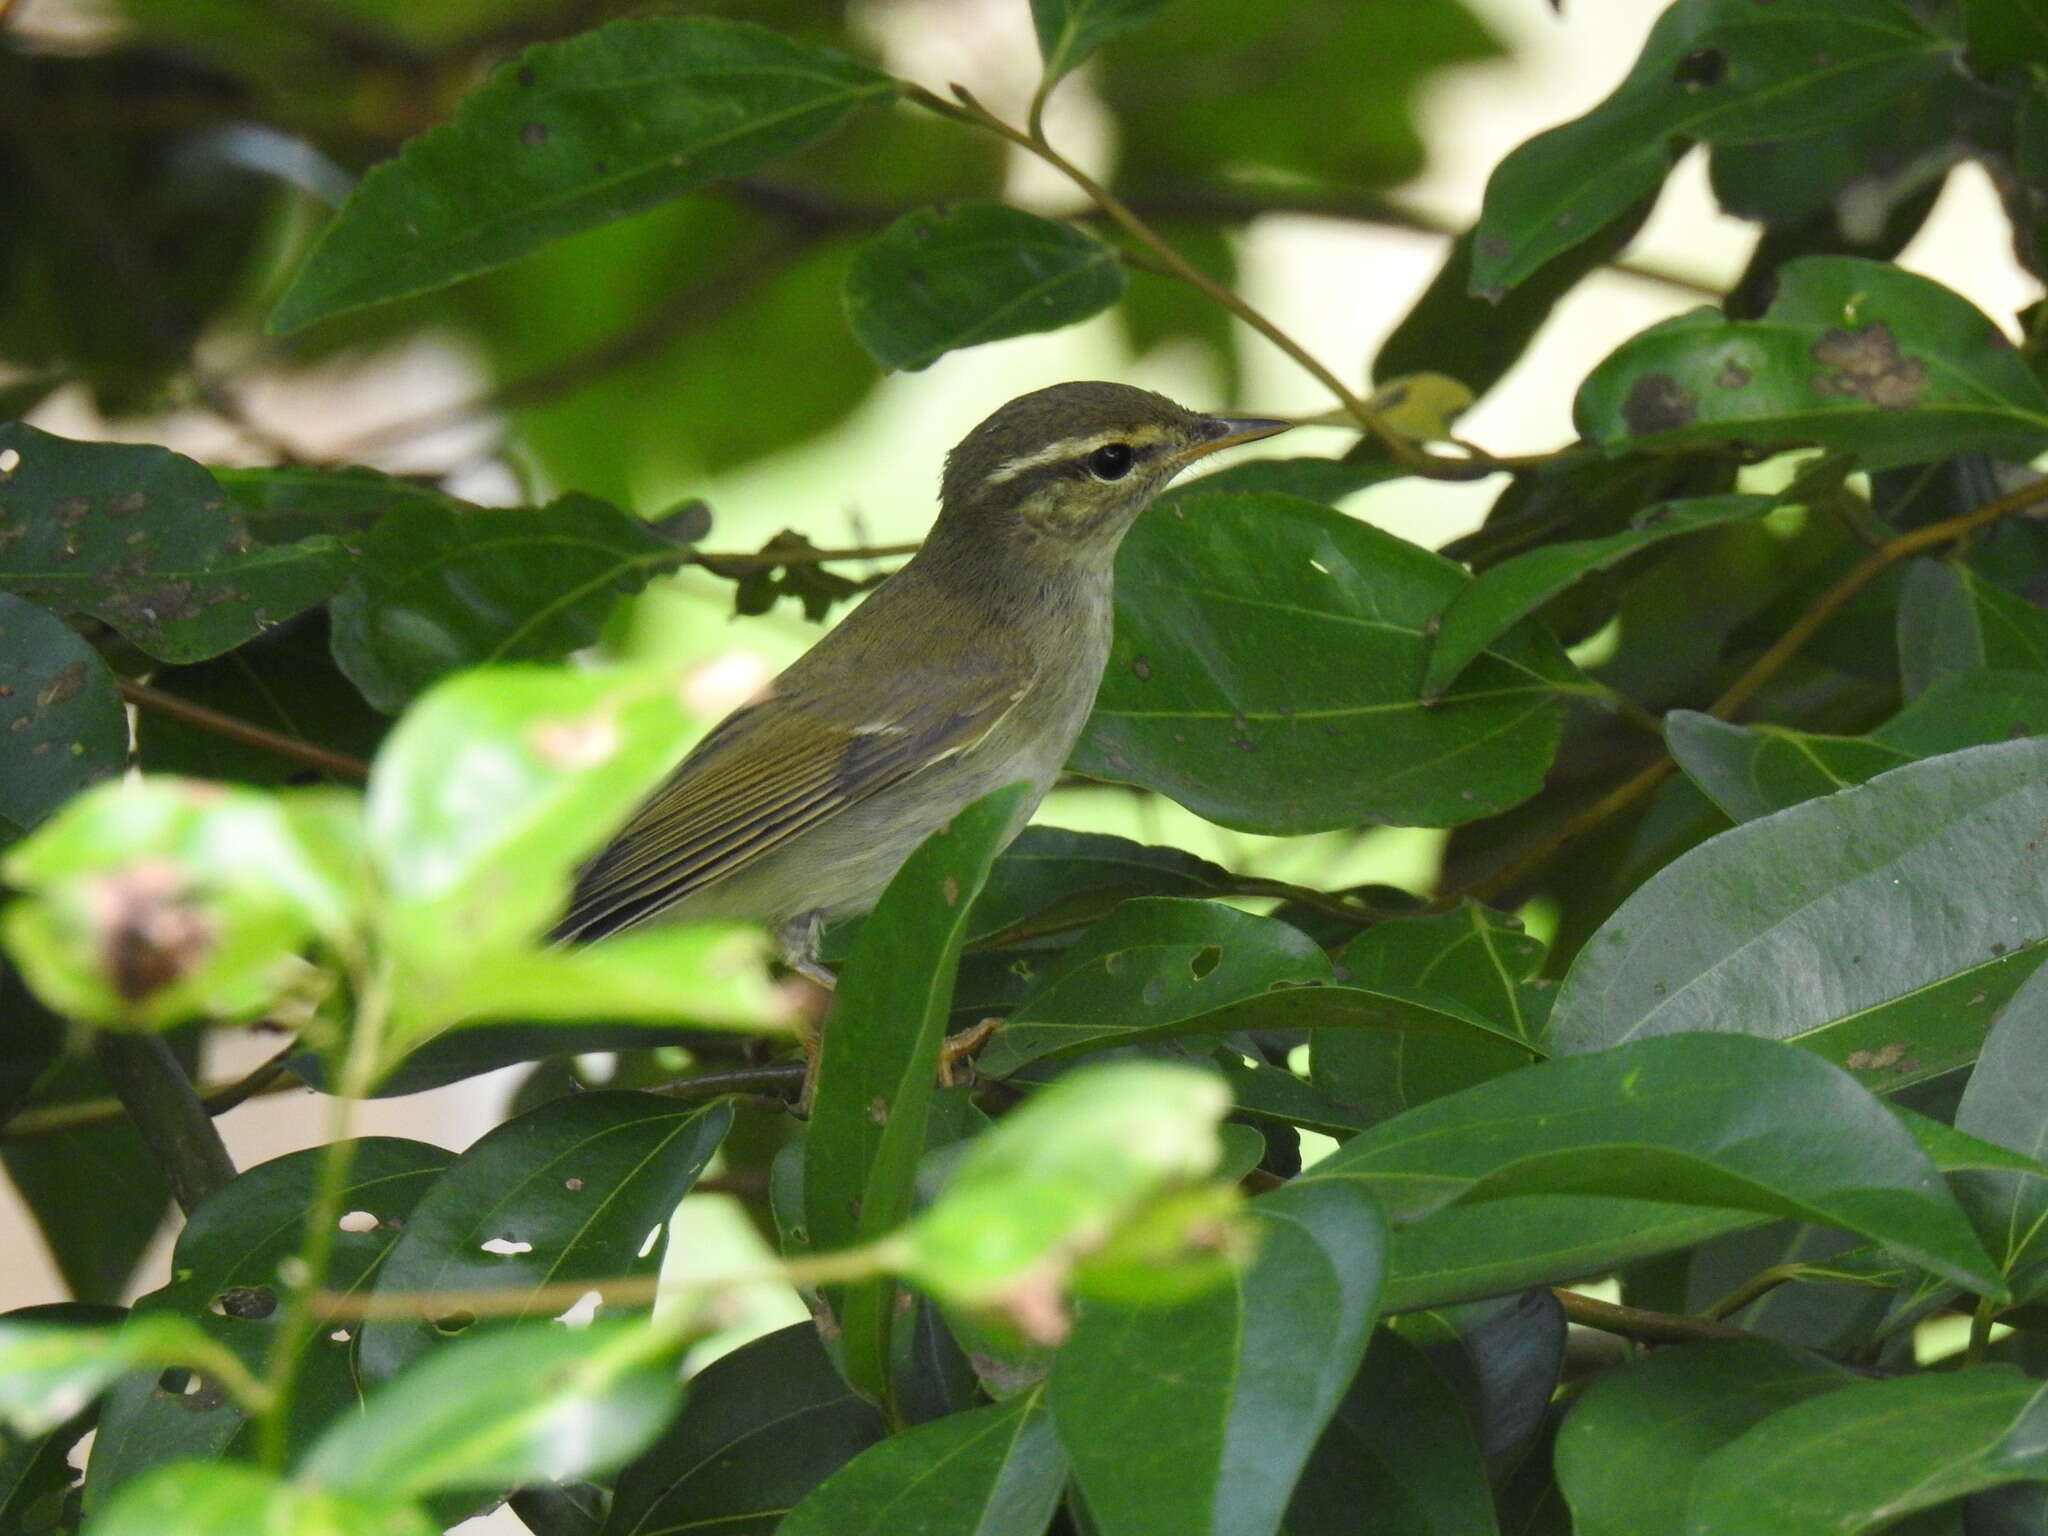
(1069,468)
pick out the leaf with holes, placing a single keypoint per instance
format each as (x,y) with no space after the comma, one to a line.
(439,587)
(581,1188)
(1881,926)
(62,717)
(570,135)
(1716,71)
(1855,355)
(145,540)
(225,1283)
(1310,718)
(944,278)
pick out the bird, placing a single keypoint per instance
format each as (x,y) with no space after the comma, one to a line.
(972,667)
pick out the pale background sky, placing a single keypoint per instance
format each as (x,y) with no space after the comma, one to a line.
(1341,286)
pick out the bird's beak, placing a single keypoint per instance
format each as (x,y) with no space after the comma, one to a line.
(1221,432)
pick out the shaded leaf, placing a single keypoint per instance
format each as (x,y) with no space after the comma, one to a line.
(1855,355)
(1952,621)
(1310,718)
(1720,1120)
(144,539)
(1070,30)
(1051,878)
(760,1428)
(2004,34)
(1505,1356)
(573,134)
(225,1499)
(944,278)
(438,587)
(1753,770)
(993,1471)
(2006,1101)
(58,705)
(1763,929)
(1718,71)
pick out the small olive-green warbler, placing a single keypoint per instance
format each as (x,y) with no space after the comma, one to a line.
(972,667)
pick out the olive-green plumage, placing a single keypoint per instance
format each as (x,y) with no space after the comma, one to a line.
(972,667)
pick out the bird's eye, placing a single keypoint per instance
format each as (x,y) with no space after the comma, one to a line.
(1112,461)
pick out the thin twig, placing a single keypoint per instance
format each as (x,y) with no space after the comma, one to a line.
(216,1099)
(174,1126)
(169,705)
(781,1080)
(1645,1327)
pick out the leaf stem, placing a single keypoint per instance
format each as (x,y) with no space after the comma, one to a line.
(1645,1327)
(173,1124)
(199,716)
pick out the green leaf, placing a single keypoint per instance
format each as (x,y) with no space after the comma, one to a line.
(1070,30)
(1837,948)
(1509,592)
(1198,1418)
(1854,355)
(1717,71)
(225,1282)
(532,1403)
(290,501)
(144,539)
(1753,770)
(1890,1447)
(570,135)
(944,278)
(1717,1120)
(62,715)
(440,587)
(1630,1447)
(2006,1101)
(49,1371)
(1051,878)
(581,1188)
(2005,34)
(760,1428)
(1310,718)
(993,1471)
(1153,967)
(880,1060)
(1952,621)
(222,1499)
(1400,1446)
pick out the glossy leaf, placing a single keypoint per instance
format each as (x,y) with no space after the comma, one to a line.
(225,1282)
(880,1060)
(1718,1120)
(570,135)
(2006,1101)
(1952,621)
(573,1190)
(538,1402)
(1070,30)
(1886,907)
(1753,770)
(1399,1446)
(64,722)
(1509,592)
(1310,719)
(993,1471)
(438,587)
(1718,71)
(1855,355)
(1891,1447)
(957,276)
(760,1428)
(225,1499)
(144,540)
(1631,1446)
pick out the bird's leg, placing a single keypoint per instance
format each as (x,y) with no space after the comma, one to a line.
(798,941)
(958,1051)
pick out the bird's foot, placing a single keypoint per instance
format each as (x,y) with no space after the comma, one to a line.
(798,941)
(956,1055)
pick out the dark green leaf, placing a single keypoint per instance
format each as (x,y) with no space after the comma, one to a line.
(1509,592)
(222,1499)
(291,501)
(1718,1120)
(64,722)
(1951,620)
(1051,878)
(881,1058)
(1753,770)
(550,1509)
(441,587)
(1198,1418)
(1834,948)
(1326,481)
(944,278)
(994,1471)
(1630,1447)
(1505,1356)
(225,1273)
(1274,1096)
(1721,71)
(2005,34)
(571,135)
(1310,718)
(534,1402)
(1070,30)
(143,539)
(1890,1447)
(1855,355)
(573,1190)
(2007,1102)
(1399,1458)
(1970,709)
(759,1430)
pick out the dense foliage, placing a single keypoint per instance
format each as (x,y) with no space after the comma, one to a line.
(1736,710)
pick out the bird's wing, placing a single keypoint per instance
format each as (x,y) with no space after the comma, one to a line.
(769,772)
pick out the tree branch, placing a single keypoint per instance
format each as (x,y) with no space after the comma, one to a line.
(173,1124)
(216,1099)
(1643,1326)
(169,705)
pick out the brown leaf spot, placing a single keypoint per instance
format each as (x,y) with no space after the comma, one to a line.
(1867,365)
(1141,669)
(533,135)
(878,1110)
(1732,376)
(67,683)
(949,889)
(1883,1059)
(127,504)
(1658,403)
